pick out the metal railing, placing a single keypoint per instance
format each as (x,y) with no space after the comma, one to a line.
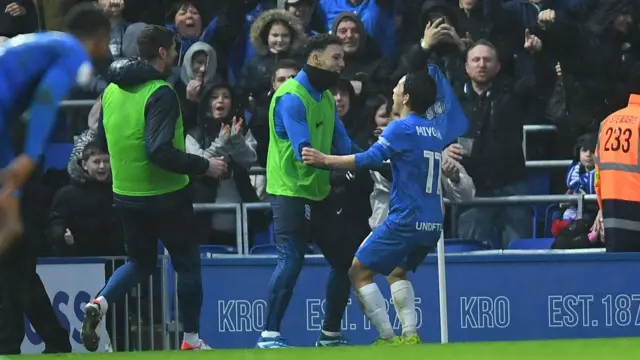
(137,322)
(579,199)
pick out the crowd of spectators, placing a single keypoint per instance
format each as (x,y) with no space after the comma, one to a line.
(569,63)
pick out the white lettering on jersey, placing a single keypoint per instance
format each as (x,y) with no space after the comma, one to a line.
(85,73)
(428,131)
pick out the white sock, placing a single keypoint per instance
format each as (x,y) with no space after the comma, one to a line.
(331,333)
(404,300)
(191,338)
(104,305)
(373,305)
(270,334)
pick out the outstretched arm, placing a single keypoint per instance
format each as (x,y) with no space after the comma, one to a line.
(370,159)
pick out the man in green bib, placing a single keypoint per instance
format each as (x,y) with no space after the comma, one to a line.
(303,114)
(141,125)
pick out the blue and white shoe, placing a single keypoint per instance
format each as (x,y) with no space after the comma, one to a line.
(277,342)
(326,340)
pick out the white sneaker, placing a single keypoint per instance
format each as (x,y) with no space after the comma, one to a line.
(200,347)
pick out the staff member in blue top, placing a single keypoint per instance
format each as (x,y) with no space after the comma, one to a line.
(303,114)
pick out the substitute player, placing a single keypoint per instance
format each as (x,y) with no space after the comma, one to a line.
(141,125)
(36,73)
(413,144)
(303,113)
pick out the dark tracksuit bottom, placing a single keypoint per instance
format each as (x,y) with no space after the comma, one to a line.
(23,293)
(296,222)
(169,218)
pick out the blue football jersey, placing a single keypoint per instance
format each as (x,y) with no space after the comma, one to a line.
(25,59)
(414,145)
(37,71)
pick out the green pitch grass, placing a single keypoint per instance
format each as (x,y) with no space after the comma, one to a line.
(593,349)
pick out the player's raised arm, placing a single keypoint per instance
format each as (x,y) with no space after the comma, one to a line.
(447,103)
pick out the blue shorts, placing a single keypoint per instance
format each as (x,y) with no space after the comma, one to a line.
(387,248)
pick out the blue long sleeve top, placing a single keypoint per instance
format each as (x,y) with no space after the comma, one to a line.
(291,122)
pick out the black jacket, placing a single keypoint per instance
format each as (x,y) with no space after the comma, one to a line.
(495,124)
(161,112)
(86,209)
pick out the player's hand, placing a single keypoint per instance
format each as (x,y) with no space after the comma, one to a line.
(68,237)
(313,157)
(10,223)
(15,9)
(450,170)
(14,176)
(193,90)
(455,151)
(217,167)
(378,131)
(236,126)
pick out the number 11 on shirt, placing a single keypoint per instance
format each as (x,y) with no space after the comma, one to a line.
(434,161)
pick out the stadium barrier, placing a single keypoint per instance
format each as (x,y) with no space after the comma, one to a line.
(138,322)
(494,295)
(577,303)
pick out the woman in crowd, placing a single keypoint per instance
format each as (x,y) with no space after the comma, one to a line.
(223,133)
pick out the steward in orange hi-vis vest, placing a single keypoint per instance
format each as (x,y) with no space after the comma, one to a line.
(618,177)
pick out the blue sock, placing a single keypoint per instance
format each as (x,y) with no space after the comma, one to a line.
(337,295)
(283,280)
(123,279)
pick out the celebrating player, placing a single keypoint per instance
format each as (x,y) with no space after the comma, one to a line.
(36,73)
(413,144)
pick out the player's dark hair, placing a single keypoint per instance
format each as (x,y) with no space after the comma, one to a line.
(285,64)
(152,38)
(92,148)
(422,91)
(320,42)
(86,20)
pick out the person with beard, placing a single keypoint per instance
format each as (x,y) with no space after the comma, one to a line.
(364,66)
(141,126)
(303,114)
(220,133)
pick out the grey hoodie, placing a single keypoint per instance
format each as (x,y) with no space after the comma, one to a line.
(130,40)
(187,74)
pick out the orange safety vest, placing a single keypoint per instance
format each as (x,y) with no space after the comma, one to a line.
(618,173)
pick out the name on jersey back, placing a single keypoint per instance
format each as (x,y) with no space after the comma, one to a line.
(429,131)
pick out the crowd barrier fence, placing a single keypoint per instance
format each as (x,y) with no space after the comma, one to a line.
(138,322)
(495,295)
